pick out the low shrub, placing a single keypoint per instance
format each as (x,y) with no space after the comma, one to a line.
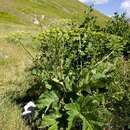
(78,71)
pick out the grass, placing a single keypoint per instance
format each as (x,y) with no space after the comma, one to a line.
(7,17)
(15,11)
(10,118)
(13,62)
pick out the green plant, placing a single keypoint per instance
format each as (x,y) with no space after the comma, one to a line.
(118,25)
(90,21)
(80,79)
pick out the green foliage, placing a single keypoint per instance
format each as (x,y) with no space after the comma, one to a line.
(78,70)
(74,112)
(78,75)
(47,100)
(122,113)
(118,25)
(90,21)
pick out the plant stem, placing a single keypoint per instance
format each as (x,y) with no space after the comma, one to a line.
(104,59)
(26,50)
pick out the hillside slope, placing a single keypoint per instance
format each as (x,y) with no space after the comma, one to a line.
(24,11)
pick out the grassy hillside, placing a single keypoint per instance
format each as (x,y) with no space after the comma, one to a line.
(13,61)
(23,12)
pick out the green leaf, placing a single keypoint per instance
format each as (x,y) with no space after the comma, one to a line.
(46,99)
(73,110)
(50,121)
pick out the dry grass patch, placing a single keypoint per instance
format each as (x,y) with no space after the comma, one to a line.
(13,62)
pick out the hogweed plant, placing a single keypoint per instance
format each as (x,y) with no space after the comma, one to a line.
(79,78)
